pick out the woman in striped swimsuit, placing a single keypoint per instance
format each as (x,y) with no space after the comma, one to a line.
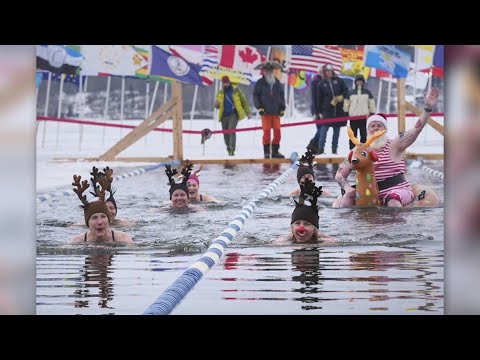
(395,190)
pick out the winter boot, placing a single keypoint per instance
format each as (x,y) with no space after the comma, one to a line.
(312,148)
(266,151)
(315,149)
(275,153)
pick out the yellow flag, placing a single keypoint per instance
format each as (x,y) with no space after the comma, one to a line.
(423,59)
(352,61)
(425,47)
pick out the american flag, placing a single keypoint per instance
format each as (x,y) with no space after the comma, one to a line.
(209,64)
(311,57)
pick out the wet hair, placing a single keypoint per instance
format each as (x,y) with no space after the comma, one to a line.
(107,179)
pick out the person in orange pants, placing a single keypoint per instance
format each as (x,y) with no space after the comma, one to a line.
(269,99)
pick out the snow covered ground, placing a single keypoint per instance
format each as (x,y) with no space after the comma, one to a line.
(63,140)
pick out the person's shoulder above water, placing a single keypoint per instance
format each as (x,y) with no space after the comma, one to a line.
(123,222)
(122,236)
(208,198)
(305,171)
(111,236)
(304,225)
(96,213)
(193,185)
(287,239)
(296,192)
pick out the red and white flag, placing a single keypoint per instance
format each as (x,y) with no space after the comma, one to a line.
(209,64)
(242,58)
(312,57)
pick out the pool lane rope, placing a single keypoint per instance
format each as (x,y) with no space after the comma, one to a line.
(417,164)
(46,197)
(433,172)
(175,293)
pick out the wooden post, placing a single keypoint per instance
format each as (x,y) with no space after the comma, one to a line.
(105,110)
(177,121)
(401,104)
(379,96)
(162,114)
(49,83)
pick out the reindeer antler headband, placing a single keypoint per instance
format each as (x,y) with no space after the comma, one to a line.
(104,180)
(306,164)
(109,179)
(80,188)
(180,181)
(308,158)
(308,192)
(93,207)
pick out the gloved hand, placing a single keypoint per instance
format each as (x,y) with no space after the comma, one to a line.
(336,100)
(261,112)
(282,112)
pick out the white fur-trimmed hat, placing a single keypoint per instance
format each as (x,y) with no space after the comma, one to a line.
(378,117)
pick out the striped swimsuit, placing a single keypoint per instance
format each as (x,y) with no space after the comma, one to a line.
(385,168)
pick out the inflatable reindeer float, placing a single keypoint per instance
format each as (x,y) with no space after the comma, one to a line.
(362,158)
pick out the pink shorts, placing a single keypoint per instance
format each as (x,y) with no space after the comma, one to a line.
(406,196)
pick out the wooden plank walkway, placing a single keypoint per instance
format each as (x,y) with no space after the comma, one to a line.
(319,160)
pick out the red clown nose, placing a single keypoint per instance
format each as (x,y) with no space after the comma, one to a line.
(300,229)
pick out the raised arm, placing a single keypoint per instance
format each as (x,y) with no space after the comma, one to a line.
(404,140)
(342,175)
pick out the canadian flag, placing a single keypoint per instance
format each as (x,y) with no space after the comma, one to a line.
(242,58)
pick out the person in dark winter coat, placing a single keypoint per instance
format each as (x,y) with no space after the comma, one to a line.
(269,99)
(331,92)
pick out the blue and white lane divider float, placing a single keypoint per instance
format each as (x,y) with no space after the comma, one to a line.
(175,293)
(417,164)
(433,172)
(46,197)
